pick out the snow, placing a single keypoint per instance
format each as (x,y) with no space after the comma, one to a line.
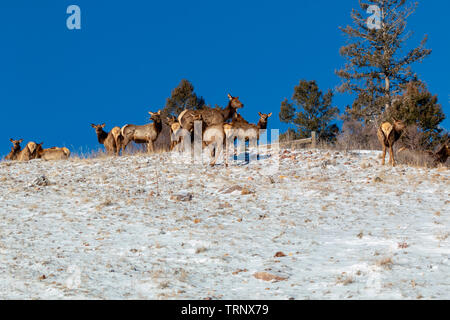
(115,228)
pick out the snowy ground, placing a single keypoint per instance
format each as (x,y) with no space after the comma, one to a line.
(327,225)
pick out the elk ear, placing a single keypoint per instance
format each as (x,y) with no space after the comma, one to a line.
(230,97)
(92,125)
(150,113)
(21,140)
(103,125)
(269,115)
(10,139)
(260,114)
(159,112)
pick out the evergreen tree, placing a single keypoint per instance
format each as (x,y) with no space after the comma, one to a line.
(182,97)
(315,111)
(417,107)
(378,67)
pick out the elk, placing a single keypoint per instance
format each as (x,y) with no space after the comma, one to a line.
(214,139)
(15,149)
(243,130)
(432,158)
(143,134)
(210,116)
(175,128)
(442,154)
(53,153)
(388,134)
(262,123)
(110,140)
(28,153)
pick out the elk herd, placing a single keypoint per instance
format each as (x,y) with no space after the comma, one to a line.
(219,128)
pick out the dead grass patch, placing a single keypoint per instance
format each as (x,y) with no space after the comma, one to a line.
(386,263)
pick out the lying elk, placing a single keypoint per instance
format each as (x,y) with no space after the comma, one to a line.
(442,154)
(53,153)
(15,149)
(210,116)
(143,134)
(28,153)
(112,140)
(433,158)
(388,134)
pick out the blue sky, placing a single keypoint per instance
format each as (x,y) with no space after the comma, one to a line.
(129,55)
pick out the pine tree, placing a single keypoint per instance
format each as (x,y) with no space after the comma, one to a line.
(378,68)
(315,111)
(182,97)
(417,107)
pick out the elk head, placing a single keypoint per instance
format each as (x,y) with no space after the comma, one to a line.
(16,143)
(155,116)
(399,125)
(98,127)
(264,117)
(234,102)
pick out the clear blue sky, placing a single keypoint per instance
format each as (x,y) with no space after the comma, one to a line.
(129,55)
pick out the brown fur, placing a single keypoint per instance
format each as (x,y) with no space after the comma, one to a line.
(388,134)
(28,153)
(210,116)
(262,123)
(118,139)
(244,130)
(432,159)
(442,154)
(213,138)
(15,149)
(109,140)
(174,128)
(143,134)
(54,153)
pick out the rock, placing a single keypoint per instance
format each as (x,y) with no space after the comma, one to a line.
(232,189)
(265,276)
(182,197)
(41,181)
(279,254)
(246,191)
(378,179)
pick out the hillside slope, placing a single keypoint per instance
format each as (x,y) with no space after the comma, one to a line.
(328,224)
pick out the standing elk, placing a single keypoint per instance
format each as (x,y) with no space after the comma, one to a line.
(243,130)
(262,123)
(175,128)
(143,134)
(111,140)
(53,153)
(210,116)
(15,149)
(388,134)
(213,138)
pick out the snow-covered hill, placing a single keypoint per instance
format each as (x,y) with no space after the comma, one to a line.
(327,224)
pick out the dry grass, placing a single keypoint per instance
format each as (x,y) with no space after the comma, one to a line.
(386,263)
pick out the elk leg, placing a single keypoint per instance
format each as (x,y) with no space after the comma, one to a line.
(124,145)
(391,156)
(383,155)
(150,146)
